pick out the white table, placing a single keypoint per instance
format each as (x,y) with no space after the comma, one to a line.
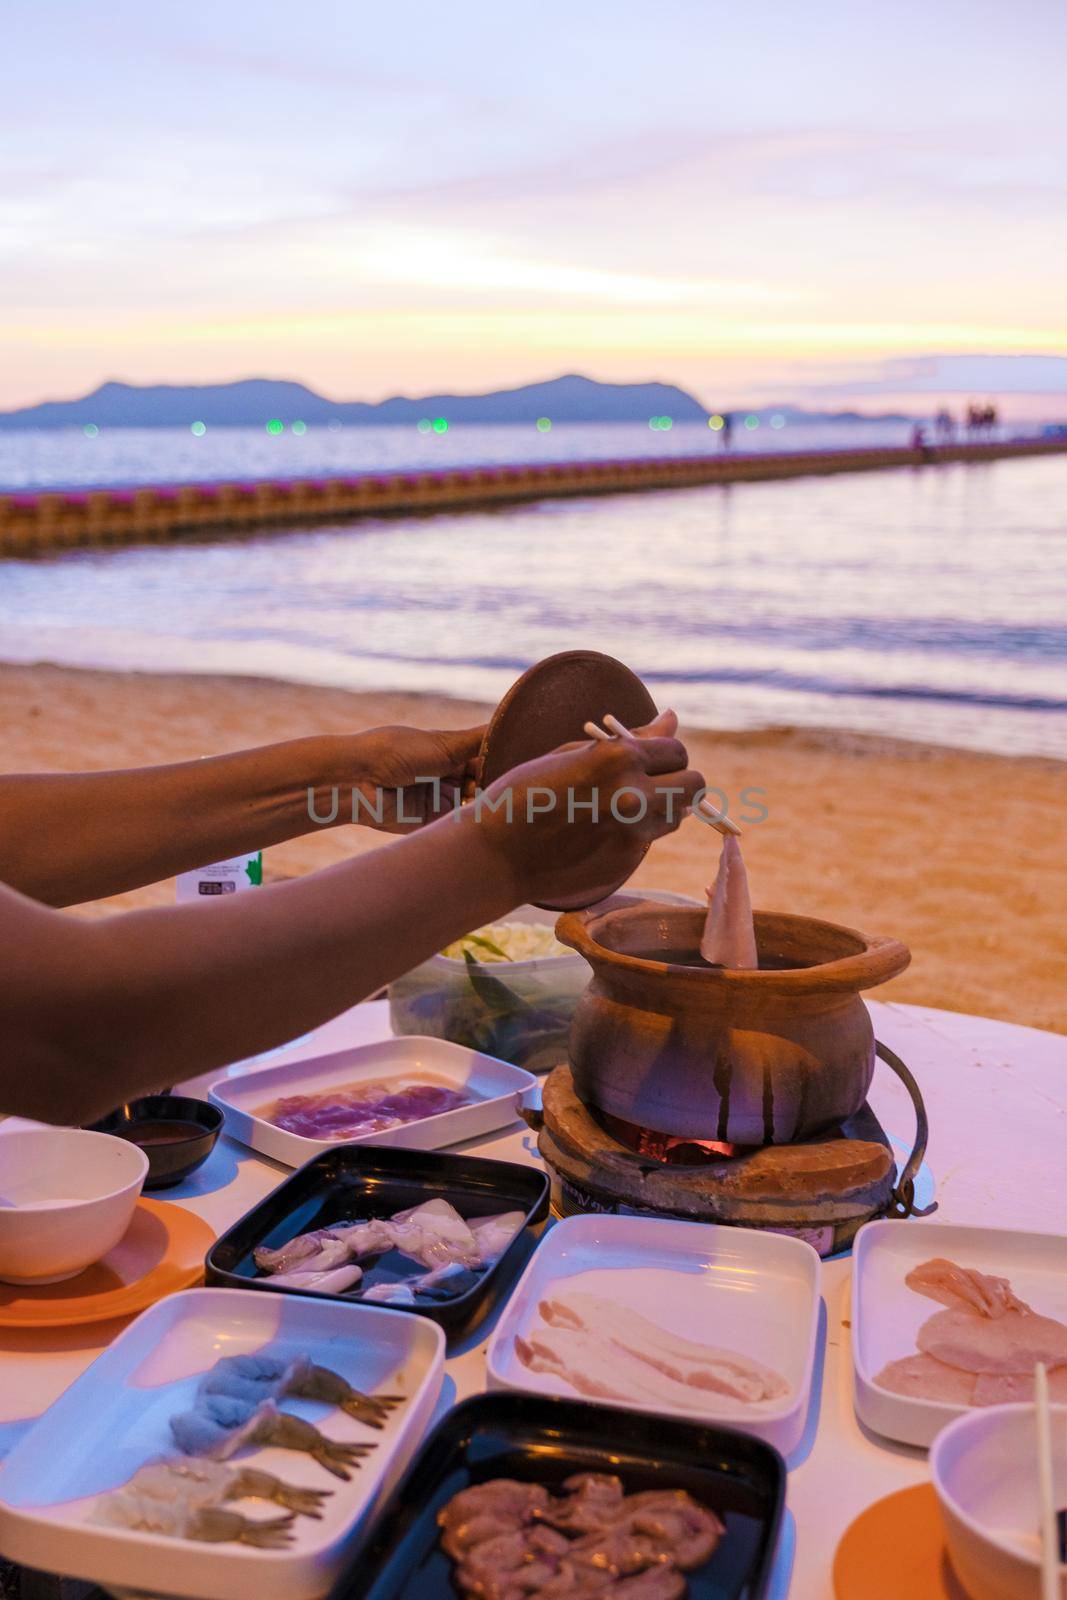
(997,1101)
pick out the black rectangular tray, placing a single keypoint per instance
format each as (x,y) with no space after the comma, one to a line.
(544,1440)
(352,1182)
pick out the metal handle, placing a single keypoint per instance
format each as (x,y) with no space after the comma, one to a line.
(901,1201)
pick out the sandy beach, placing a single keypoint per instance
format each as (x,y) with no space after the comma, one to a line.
(961,855)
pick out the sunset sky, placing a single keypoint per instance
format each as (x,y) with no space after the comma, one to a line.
(772,200)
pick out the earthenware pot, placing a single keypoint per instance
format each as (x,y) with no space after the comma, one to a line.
(750,1057)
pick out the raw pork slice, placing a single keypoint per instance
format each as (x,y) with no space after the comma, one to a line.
(1002,1388)
(1012,1342)
(696,1366)
(963,1289)
(923,1378)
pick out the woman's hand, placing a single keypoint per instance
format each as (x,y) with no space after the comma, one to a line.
(402,778)
(575,824)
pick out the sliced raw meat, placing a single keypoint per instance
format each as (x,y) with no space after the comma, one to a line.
(962,1288)
(923,1378)
(695,1365)
(1011,1342)
(1003,1388)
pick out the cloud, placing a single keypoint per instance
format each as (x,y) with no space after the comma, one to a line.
(947,374)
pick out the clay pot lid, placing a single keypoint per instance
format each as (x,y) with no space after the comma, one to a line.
(550,705)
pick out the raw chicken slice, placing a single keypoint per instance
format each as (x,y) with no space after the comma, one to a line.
(922,1378)
(697,1366)
(962,1288)
(1011,1342)
(1003,1388)
(729,934)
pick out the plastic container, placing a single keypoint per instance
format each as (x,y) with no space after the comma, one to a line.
(221,877)
(518,1011)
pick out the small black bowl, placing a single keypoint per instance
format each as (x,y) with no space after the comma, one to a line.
(176,1133)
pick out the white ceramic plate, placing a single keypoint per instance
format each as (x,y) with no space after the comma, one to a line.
(887,1315)
(115,1418)
(495,1087)
(742,1290)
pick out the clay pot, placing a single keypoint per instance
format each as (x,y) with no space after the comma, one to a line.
(761,1057)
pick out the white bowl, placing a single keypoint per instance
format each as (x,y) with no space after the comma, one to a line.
(66,1197)
(984,1467)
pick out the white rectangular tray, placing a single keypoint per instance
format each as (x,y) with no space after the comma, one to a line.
(755,1293)
(496,1085)
(115,1418)
(887,1315)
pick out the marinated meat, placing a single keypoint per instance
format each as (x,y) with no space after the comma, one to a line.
(511,1540)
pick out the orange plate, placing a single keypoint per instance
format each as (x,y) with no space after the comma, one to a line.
(162,1250)
(897,1548)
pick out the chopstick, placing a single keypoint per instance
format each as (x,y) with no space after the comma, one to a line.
(718,819)
(1050,1556)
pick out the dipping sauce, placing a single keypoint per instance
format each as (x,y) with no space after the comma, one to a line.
(147,1134)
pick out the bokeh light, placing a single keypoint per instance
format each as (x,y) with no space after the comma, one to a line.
(300,428)
(544,424)
(751,421)
(275,426)
(90,430)
(334,425)
(424,425)
(715,422)
(440,424)
(661,424)
(198,429)
(777,421)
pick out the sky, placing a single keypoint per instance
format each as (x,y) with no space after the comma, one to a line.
(834,203)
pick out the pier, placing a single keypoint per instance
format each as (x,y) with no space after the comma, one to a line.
(39,523)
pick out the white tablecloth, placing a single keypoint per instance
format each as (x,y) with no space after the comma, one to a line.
(996,1095)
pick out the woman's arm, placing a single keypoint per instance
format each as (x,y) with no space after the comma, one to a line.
(94,1013)
(70,837)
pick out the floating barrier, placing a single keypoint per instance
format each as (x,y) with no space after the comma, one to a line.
(62,520)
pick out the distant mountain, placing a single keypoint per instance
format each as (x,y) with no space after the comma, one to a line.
(254,401)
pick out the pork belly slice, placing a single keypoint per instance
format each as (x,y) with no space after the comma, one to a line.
(963,1289)
(684,1361)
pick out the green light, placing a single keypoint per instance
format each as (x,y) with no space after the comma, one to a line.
(90,430)
(777,421)
(198,429)
(653,423)
(300,428)
(544,424)
(751,421)
(424,425)
(666,423)
(715,422)
(440,424)
(274,426)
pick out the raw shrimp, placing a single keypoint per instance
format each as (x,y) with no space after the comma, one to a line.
(266,1376)
(210,1524)
(220,1425)
(197,1481)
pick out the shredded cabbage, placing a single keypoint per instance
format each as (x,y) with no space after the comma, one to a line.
(508,941)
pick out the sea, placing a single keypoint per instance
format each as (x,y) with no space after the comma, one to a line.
(925,603)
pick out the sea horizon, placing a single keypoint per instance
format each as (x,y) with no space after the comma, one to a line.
(876,603)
